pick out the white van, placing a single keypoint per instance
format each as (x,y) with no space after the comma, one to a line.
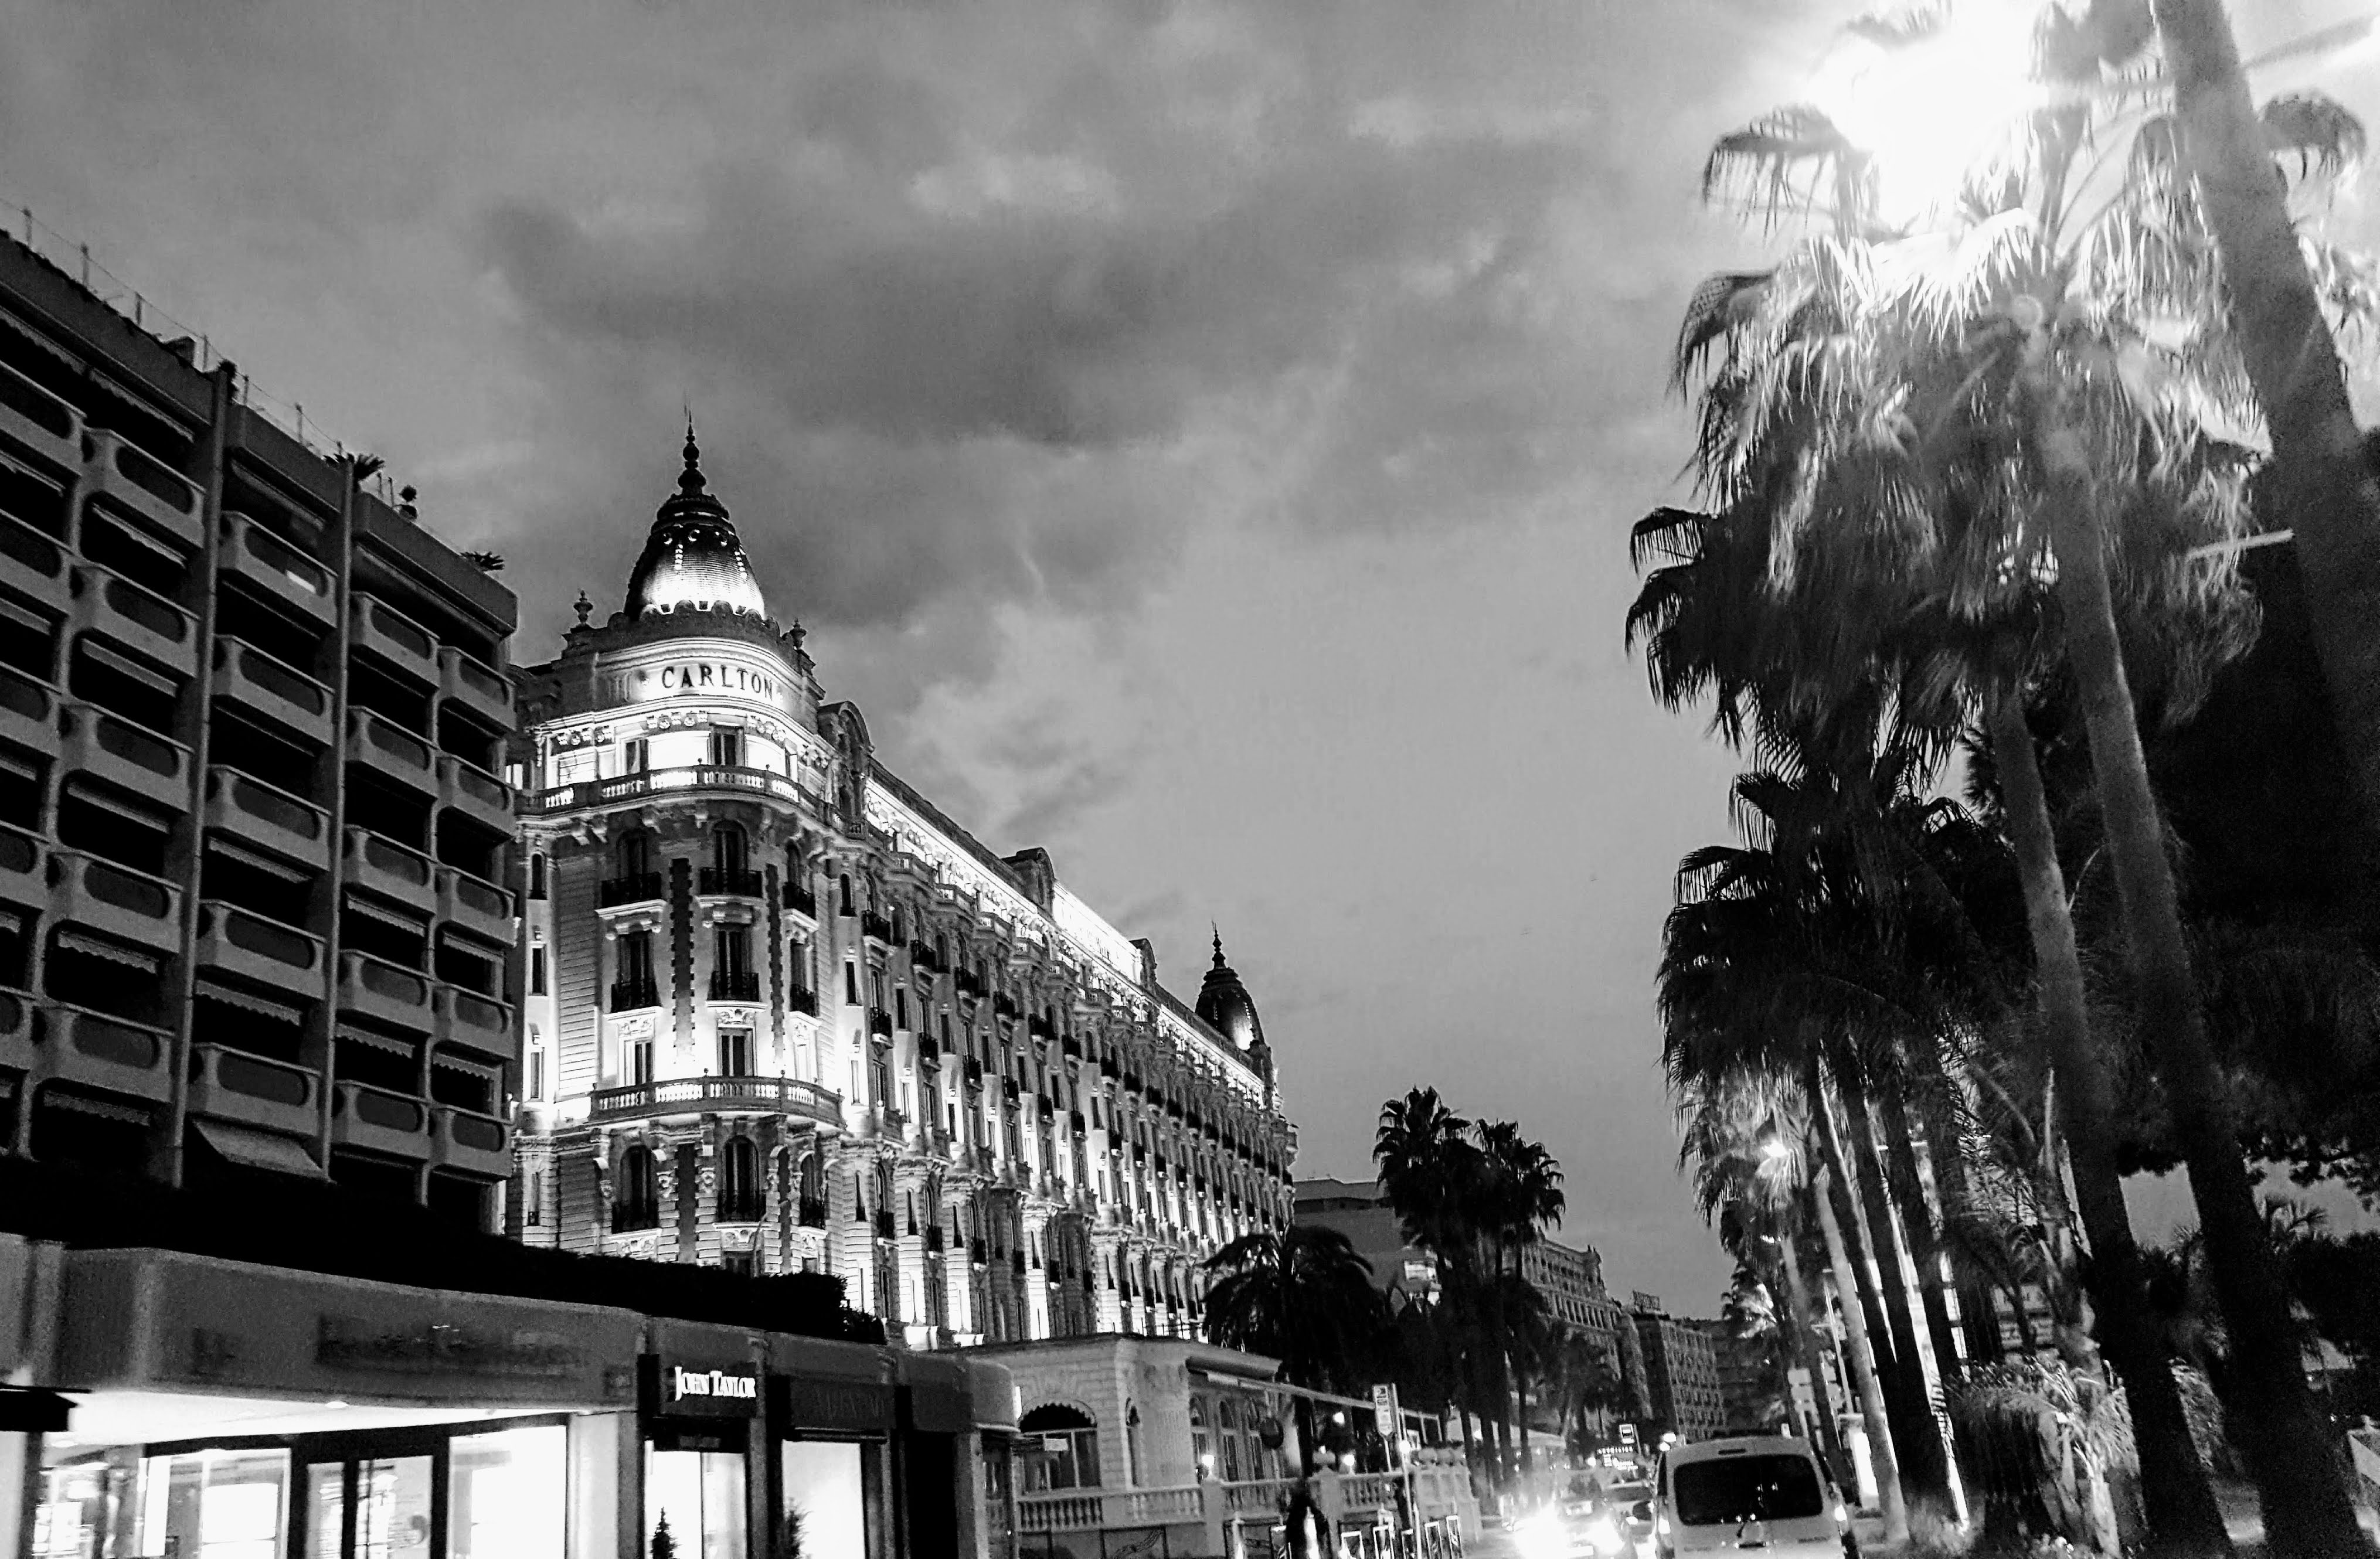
(1766,1494)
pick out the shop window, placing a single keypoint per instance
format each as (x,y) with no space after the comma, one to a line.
(826,1496)
(1062,1449)
(506,1494)
(217,1504)
(699,1496)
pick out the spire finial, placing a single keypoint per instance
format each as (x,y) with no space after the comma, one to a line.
(1219,943)
(583,607)
(691,480)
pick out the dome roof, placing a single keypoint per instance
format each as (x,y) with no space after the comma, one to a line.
(1224,1003)
(692,560)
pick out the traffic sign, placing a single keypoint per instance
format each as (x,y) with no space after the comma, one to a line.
(1806,1401)
(1628,1434)
(1384,1408)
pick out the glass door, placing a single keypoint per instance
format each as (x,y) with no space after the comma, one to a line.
(374,1508)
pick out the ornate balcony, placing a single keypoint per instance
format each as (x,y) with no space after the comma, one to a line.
(660,781)
(748,1208)
(880,1023)
(637,888)
(735,985)
(801,901)
(731,882)
(923,960)
(801,998)
(876,929)
(811,1213)
(628,996)
(699,1095)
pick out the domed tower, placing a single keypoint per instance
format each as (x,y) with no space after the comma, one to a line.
(1224,1003)
(692,559)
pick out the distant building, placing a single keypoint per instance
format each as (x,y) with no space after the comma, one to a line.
(1751,1378)
(1360,1210)
(1681,1371)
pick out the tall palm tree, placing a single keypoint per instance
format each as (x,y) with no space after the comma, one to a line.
(1303,1296)
(2228,149)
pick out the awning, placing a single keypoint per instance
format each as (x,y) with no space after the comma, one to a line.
(259,1150)
(279,1011)
(409,1049)
(101,948)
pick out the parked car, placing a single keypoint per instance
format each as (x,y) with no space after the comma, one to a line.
(1767,1492)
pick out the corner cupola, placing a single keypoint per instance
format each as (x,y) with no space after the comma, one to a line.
(1225,1004)
(693,560)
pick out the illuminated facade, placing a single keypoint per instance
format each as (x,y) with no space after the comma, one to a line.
(784,1015)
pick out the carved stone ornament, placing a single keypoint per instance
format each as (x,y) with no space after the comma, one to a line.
(580,736)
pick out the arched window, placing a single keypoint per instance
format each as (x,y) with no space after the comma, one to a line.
(632,855)
(537,874)
(813,1192)
(1064,1451)
(636,1199)
(739,1182)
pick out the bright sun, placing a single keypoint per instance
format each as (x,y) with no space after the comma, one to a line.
(1927,111)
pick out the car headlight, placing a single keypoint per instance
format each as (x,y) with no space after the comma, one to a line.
(1543,1537)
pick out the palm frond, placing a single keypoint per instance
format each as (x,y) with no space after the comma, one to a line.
(2323,137)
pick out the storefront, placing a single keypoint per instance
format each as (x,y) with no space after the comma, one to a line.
(832,1416)
(699,1399)
(228,1411)
(221,1410)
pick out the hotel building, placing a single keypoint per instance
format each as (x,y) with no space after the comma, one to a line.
(784,1015)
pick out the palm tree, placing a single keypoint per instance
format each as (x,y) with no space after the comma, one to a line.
(2276,312)
(2024,384)
(1302,1295)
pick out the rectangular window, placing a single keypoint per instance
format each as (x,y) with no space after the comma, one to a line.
(637,958)
(636,756)
(735,1052)
(640,1061)
(900,1008)
(727,749)
(700,1495)
(534,1213)
(851,985)
(733,951)
(537,972)
(217,1504)
(537,1074)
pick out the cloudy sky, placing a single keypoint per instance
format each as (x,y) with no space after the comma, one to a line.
(1202,435)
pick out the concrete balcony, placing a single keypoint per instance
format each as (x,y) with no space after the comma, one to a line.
(478,794)
(394,640)
(255,948)
(105,1052)
(379,1121)
(232,1085)
(138,620)
(38,424)
(474,906)
(34,565)
(466,1019)
(17,1052)
(278,571)
(377,988)
(278,693)
(132,483)
(718,1096)
(466,1139)
(269,819)
(23,861)
(383,866)
(131,905)
(476,687)
(391,751)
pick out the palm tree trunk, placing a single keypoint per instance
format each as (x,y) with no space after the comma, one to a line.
(1917,1225)
(2306,1507)
(2184,1517)
(2327,483)
(1924,1463)
(1862,1362)
(1521,1390)
(1804,1343)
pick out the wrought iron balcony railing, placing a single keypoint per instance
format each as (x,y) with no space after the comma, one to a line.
(636,887)
(735,985)
(628,996)
(742,883)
